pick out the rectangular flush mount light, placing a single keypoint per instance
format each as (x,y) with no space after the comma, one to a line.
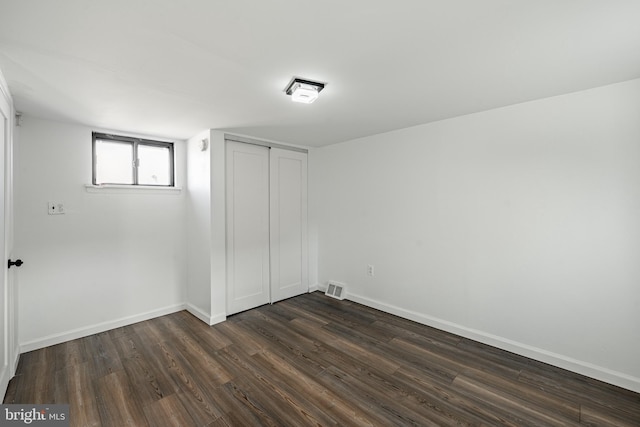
(305,91)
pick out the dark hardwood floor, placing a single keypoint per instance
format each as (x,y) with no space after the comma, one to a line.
(310,360)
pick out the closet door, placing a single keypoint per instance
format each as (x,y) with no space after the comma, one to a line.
(289,248)
(247,226)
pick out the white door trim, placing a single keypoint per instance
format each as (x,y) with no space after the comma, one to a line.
(9,352)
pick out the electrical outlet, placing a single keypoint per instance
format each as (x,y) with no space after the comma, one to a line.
(56,208)
(370,270)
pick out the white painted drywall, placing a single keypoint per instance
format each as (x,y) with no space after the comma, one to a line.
(206,285)
(218,228)
(517,226)
(199,227)
(115,257)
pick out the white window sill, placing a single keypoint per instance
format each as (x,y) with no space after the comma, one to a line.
(123,189)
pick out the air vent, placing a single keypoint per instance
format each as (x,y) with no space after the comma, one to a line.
(336,290)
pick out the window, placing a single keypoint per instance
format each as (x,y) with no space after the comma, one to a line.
(131,161)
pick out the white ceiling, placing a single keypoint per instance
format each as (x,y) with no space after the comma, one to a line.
(172,68)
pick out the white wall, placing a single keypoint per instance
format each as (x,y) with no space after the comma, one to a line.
(199,228)
(206,288)
(115,257)
(517,226)
(218,227)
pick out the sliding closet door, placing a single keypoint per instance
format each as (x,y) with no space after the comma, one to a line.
(289,253)
(247,226)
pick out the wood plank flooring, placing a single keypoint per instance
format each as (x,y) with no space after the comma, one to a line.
(309,360)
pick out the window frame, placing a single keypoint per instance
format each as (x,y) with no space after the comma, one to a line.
(134,142)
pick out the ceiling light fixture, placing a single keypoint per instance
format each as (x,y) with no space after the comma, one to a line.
(305,91)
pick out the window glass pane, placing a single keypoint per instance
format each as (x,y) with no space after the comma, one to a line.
(154,166)
(114,162)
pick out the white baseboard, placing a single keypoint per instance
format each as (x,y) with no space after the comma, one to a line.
(5,377)
(16,360)
(97,328)
(204,316)
(314,287)
(9,371)
(217,318)
(198,312)
(603,374)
